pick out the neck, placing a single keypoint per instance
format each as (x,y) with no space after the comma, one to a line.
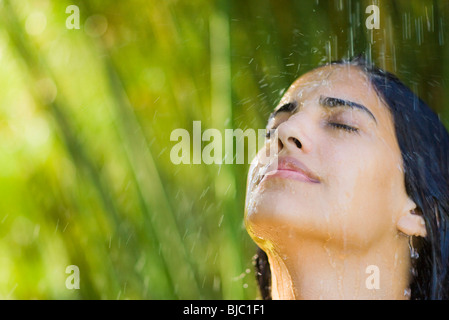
(319,270)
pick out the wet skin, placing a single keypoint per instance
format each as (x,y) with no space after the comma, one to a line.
(337,190)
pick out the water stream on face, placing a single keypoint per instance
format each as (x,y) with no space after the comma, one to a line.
(256,173)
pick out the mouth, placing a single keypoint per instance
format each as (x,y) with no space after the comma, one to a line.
(291,168)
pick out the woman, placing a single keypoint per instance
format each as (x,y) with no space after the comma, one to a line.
(354,204)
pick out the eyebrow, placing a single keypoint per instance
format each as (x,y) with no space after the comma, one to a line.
(329,102)
(288,107)
(336,102)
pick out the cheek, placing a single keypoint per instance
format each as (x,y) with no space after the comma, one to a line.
(355,164)
(364,188)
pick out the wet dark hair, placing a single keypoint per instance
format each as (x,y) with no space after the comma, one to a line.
(424,145)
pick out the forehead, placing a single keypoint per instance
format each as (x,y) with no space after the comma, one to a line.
(346,81)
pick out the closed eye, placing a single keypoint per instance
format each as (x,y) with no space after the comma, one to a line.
(343,127)
(334,125)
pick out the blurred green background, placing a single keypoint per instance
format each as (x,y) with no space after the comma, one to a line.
(86,116)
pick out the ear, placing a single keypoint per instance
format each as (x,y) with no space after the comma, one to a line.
(411,223)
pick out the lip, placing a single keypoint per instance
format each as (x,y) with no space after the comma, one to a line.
(292,168)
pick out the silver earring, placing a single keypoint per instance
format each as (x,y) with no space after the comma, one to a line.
(413,252)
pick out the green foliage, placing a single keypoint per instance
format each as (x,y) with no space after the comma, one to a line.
(86,116)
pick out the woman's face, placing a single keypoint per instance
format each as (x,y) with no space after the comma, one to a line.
(339,168)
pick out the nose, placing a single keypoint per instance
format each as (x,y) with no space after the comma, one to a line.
(294,134)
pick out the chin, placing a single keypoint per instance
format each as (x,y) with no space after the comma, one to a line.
(273,212)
